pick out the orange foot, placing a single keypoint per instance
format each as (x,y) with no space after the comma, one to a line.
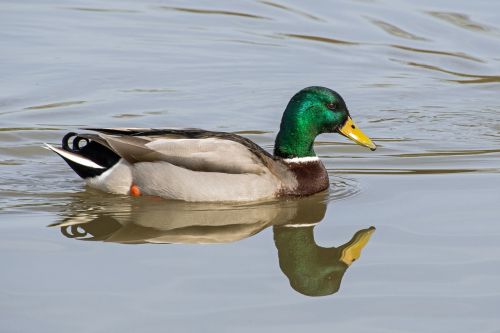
(135,191)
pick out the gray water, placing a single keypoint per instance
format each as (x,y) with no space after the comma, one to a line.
(422,80)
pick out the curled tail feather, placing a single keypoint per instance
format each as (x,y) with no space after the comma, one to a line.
(88,160)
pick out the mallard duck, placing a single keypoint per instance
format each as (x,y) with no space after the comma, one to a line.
(199,165)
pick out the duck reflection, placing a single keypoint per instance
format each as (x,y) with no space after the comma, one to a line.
(311,269)
(314,270)
(149,220)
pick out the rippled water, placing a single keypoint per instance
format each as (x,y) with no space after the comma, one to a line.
(421,79)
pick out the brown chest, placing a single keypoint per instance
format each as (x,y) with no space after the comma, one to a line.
(311,176)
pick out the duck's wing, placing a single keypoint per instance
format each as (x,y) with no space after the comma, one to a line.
(193,149)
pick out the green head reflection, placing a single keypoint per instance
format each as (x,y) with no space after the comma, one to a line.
(314,270)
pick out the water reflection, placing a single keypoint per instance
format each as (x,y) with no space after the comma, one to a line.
(395,31)
(437,52)
(54,105)
(470,78)
(290,9)
(213,12)
(320,39)
(462,21)
(312,270)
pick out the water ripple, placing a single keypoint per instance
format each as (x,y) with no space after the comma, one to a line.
(103,10)
(320,39)
(214,12)
(391,171)
(462,21)
(437,52)
(395,31)
(450,153)
(54,105)
(342,187)
(474,78)
(461,55)
(292,10)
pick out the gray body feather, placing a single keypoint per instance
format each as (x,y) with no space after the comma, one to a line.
(191,165)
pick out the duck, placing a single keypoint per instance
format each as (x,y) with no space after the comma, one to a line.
(208,166)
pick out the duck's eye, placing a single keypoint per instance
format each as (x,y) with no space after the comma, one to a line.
(332,106)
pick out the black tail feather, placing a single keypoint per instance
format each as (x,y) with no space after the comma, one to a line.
(91,150)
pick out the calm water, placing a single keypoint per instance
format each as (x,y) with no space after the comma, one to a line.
(423,80)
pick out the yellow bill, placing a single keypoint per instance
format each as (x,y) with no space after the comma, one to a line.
(352,132)
(353,249)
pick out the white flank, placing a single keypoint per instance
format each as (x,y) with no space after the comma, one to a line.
(116,179)
(301,159)
(74,157)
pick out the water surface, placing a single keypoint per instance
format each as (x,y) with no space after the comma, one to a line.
(421,79)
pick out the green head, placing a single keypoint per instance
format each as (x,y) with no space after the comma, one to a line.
(312,111)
